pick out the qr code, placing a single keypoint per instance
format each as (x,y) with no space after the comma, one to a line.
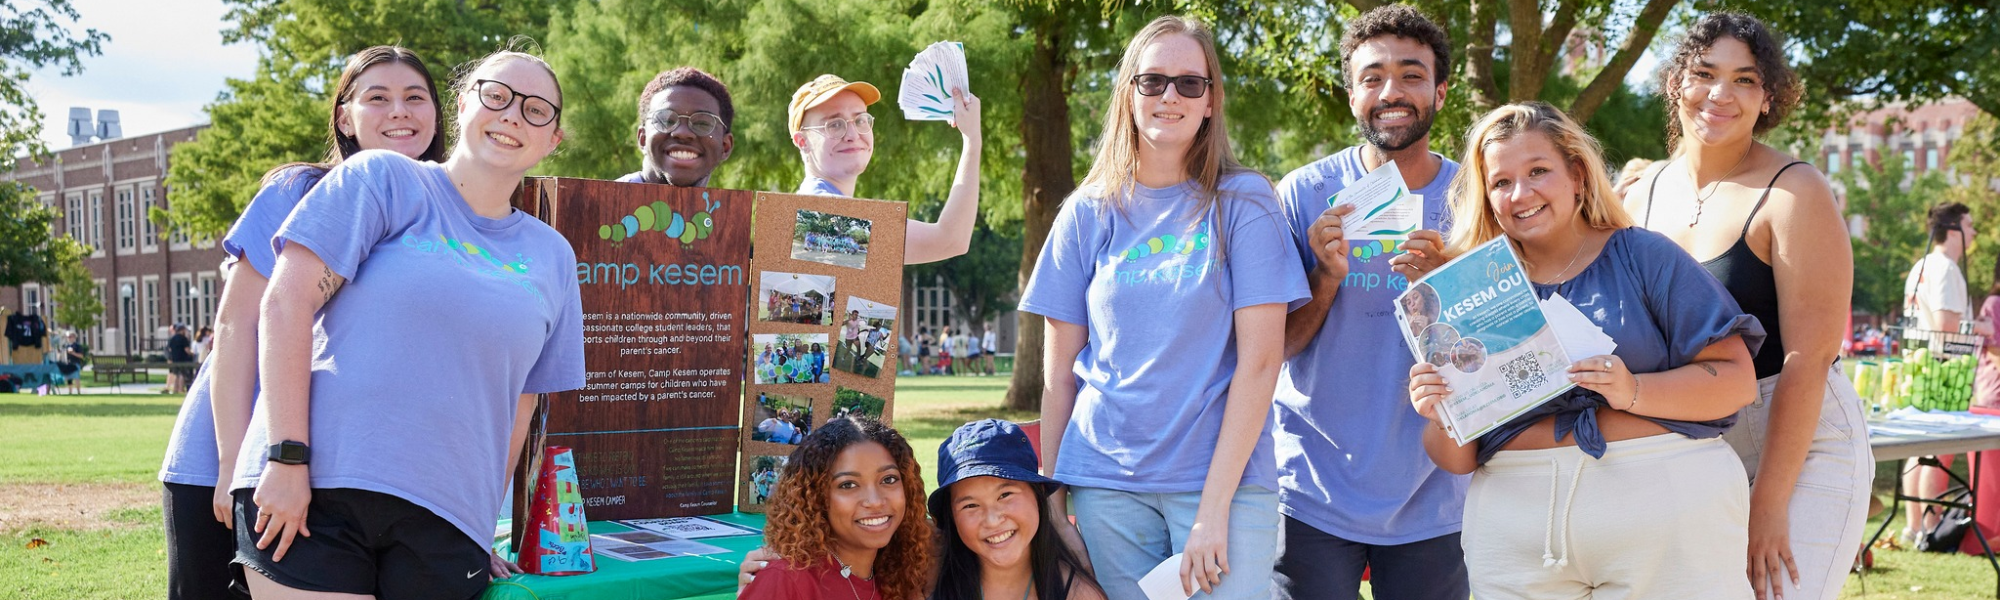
(1524,374)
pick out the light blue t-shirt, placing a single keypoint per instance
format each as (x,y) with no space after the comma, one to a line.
(420,359)
(1158,297)
(1351,460)
(814,186)
(191,452)
(633,177)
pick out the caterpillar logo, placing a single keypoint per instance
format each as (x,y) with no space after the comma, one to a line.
(1367,251)
(659,217)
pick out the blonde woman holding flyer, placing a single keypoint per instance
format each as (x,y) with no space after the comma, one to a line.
(1166,443)
(1620,485)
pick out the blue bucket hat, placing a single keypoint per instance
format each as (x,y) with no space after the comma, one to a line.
(987,447)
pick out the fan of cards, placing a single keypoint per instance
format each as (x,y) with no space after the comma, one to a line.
(928,82)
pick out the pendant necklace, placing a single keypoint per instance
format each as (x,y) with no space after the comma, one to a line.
(1701,199)
(847,574)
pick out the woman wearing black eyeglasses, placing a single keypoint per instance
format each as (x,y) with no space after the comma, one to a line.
(830,125)
(1165,281)
(410,320)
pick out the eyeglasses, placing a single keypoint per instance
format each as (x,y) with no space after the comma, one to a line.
(537,110)
(702,122)
(1188,86)
(837,128)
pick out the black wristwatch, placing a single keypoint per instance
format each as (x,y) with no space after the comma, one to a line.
(290,453)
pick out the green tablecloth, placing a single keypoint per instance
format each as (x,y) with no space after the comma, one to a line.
(687,577)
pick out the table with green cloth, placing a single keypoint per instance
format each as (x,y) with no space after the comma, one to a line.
(707,577)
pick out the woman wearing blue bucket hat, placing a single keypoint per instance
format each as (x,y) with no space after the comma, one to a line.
(989,505)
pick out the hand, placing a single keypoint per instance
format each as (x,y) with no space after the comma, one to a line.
(1421,253)
(754,561)
(224,503)
(1771,553)
(1205,559)
(1329,244)
(500,568)
(1606,374)
(965,113)
(282,498)
(1427,390)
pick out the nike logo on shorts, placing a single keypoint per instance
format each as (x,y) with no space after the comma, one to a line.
(474,573)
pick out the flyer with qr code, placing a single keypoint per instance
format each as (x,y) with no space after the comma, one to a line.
(692,528)
(1477,320)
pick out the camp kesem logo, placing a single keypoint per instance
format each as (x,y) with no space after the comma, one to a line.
(1367,251)
(658,217)
(1168,244)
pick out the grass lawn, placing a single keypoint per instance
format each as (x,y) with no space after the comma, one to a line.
(112,445)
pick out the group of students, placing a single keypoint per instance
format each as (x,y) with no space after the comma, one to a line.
(953,352)
(326,448)
(1240,401)
(1727,456)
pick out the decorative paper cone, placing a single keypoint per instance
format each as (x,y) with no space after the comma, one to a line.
(556,539)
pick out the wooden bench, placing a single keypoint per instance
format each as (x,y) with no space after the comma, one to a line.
(116,368)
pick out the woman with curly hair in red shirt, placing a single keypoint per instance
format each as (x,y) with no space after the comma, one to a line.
(848,519)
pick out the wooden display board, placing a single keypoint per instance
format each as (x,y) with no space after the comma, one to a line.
(664,274)
(828,275)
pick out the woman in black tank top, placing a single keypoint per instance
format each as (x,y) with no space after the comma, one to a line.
(1768,227)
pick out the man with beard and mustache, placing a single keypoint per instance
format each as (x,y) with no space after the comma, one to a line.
(684,128)
(1356,487)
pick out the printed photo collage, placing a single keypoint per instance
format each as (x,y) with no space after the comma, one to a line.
(824,311)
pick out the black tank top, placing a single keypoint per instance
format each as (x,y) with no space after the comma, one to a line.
(1748,279)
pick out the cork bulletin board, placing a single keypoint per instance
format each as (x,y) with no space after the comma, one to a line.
(824,288)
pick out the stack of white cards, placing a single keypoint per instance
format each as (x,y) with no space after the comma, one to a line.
(929,80)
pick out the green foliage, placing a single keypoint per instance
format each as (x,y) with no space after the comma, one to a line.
(28,249)
(77,299)
(982,281)
(1896,236)
(31,39)
(1940,48)
(1975,158)
(280,115)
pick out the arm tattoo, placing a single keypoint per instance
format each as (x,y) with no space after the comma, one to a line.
(329,282)
(1705,367)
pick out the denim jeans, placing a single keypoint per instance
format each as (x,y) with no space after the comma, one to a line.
(1130,533)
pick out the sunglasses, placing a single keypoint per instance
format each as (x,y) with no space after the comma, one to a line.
(702,123)
(538,111)
(1188,86)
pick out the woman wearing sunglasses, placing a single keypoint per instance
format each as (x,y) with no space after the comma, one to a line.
(1164,443)
(376,457)
(830,125)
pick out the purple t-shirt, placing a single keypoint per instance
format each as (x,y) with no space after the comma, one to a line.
(191,452)
(633,177)
(1351,460)
(1158,300)
(419,361)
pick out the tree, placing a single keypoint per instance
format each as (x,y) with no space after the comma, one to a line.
(1941,48)
(982,281)
(1892,203)
(280,114)
(30,39)
(77,299)
(1975,159)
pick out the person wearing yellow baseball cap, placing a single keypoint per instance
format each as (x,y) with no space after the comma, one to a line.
(835,135)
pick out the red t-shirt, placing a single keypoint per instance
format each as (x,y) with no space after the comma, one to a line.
(778,581)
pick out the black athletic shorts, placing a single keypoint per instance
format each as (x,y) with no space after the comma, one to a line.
(367,542)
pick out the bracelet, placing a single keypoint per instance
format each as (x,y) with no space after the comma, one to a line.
(1635,394)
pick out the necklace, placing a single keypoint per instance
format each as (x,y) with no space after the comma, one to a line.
(847,575)
(1572,262)
(1701,198)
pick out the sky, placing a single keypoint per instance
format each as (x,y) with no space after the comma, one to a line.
(164,62)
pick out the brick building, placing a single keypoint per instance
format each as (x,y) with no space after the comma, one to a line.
(1923,135)
(149,281)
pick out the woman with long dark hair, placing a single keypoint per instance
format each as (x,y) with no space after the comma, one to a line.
(847,519)
(1765,224)
(991,507)
(384,100)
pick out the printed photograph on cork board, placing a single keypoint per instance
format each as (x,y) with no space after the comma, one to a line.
(831,239)
(855,402)
(867,337)
(795,298)
(778,358)
(781,419)
(760,478)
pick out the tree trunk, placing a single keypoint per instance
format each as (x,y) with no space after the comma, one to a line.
(1526,74)
(1046,180)
(1608,80)
(1479,56)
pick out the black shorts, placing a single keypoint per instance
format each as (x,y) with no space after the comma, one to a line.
(370,543)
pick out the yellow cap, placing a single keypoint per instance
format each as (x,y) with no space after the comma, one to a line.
(817,91)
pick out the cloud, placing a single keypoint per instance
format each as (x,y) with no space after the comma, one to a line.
(164,62)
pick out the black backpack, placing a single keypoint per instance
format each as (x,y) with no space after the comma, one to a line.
(1952,527)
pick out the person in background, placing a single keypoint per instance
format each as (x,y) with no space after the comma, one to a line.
(830,125)
(384,99)
(1986,379)
(988,343)
(1629,174)
(72,355)
(204,344)
(180,349)
(974,354)
(1934,299)
(1767,226)
(685,119)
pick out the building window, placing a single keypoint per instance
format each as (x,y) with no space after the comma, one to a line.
(95,337)
(185,307)
(73,218)
(1910,159)
(31,300)
(177,239)
(1832,162)
(149,307)
(96,229)
(149,233)
(206,298)
(128,315)
(128,225)
(1930,158)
